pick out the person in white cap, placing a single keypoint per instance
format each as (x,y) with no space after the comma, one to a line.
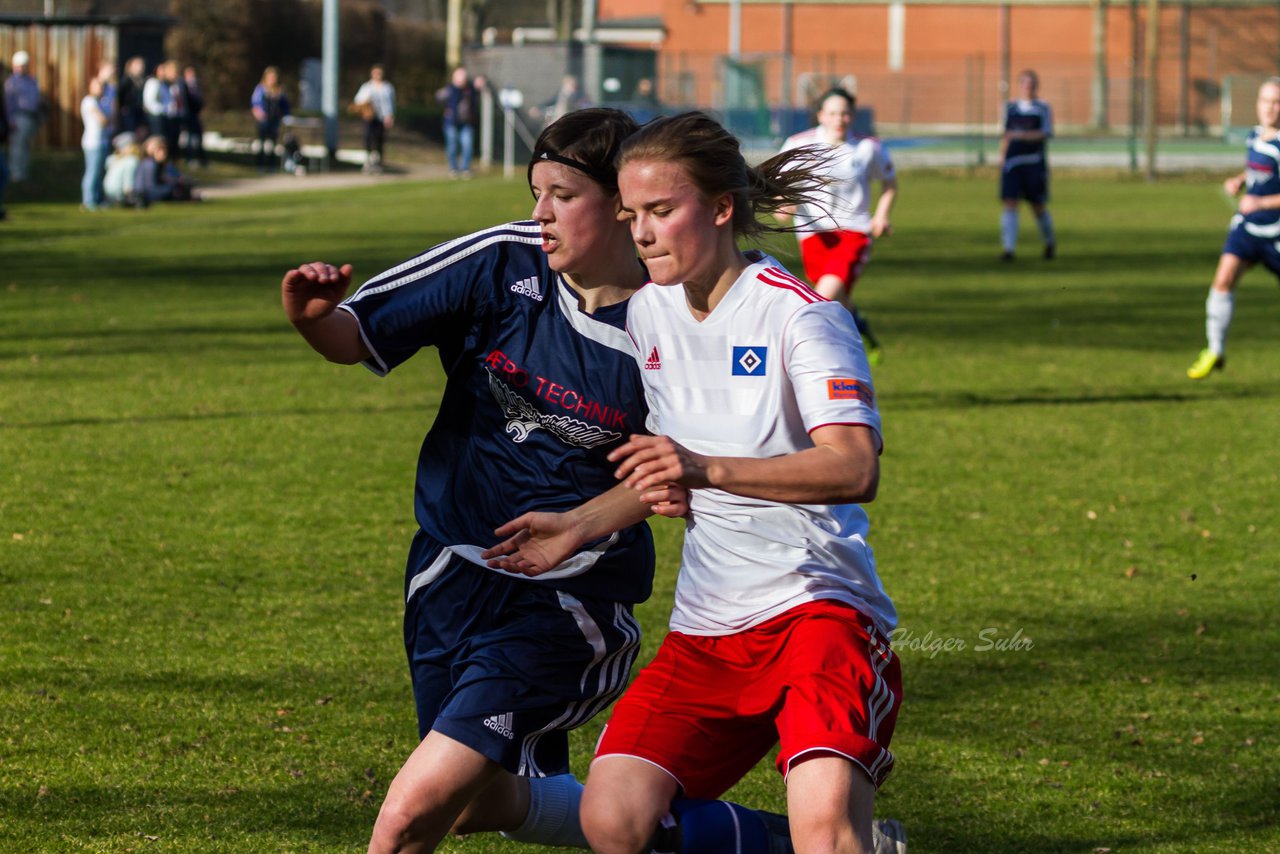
(22,101)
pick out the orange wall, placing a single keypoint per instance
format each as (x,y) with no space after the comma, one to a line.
(946,45)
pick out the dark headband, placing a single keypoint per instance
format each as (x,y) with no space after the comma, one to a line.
(599,177)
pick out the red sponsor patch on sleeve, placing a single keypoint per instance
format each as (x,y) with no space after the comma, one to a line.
(850,389)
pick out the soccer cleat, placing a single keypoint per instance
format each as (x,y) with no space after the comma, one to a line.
(1050,251)
(888,837)
(1206,363)
(874,356)
(1007,256)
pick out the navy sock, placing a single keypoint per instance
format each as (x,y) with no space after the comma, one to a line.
(719,827)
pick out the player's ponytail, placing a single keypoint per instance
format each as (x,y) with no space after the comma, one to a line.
(713,159)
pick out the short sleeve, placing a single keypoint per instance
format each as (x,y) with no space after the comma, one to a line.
(828,369)
(427,300)
(881,163)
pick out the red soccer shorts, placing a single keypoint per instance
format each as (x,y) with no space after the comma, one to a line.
(708,708)
(835,253)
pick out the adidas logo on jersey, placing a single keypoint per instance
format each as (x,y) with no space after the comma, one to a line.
(530,287)
(654,362)
(501,724)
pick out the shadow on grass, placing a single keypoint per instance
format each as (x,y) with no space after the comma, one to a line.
(1122,696)
(897,400)
(330,816)
(198,417)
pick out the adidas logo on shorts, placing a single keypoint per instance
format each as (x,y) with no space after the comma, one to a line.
(501,724)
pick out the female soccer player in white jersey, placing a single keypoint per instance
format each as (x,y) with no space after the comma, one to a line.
(1253,231)
(837,231)
(528,319)
(761,403)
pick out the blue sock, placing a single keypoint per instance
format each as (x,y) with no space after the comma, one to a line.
(719,827)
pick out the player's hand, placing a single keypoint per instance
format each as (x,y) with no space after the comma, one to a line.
(669,499)
(1232,185)
(1248,204)
(534,543)
(312,291)
(881,227)
(646,462)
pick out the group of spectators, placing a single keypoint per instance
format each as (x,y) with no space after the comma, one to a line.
(133,129)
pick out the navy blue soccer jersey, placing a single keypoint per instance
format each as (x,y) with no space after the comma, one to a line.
(538,393)
(1027,115)
(1262,178)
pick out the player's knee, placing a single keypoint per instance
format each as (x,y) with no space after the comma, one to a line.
(830,835)
(614,826)
(394,828)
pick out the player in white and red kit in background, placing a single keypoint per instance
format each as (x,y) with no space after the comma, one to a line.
(837,228)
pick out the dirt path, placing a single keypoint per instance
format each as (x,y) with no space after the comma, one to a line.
(282,182)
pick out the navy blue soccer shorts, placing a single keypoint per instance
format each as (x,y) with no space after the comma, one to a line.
(1029,181)
(507,665)
(1251,247)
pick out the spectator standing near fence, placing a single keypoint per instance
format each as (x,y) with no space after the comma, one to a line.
(22,96)
(376,103)
(1024,173)
(269,105)
(163,103)
(4,145)
(193,100)
(129,106)
(461,112)
(93,141)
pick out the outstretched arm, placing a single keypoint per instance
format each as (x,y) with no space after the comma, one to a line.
(539,542)
(310,295)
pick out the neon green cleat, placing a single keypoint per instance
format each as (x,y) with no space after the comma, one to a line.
(1206,363)
(874,356)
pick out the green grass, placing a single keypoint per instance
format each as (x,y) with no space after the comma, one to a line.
(203,527)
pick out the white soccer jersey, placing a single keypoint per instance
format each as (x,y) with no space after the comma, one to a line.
(771,363)
(846,205)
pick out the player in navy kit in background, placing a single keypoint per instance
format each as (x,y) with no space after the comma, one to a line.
(1024,174)
(528,319)
(1253,232)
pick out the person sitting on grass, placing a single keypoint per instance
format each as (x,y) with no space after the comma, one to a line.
(121,175)
(158,179)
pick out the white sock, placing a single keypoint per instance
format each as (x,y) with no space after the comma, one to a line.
(1009,229)
(1218,309)
(553,813)
(1045,222)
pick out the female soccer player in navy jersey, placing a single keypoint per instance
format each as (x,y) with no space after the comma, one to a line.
(1253,233)
(528,320)
(1024,165)
(762,405)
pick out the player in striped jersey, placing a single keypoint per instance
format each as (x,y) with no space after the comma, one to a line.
(763,396)
(528,321)
(1024,168)
(1254,230)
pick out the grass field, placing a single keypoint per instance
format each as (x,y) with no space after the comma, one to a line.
(203,527)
